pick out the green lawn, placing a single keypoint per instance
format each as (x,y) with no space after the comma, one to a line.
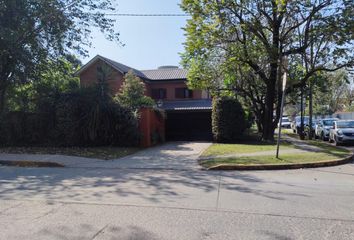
(271,159)
(225,149)
(329,152)
(328,148)
(288,132)
(90,152)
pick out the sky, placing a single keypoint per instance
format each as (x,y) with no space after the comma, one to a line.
(150,42)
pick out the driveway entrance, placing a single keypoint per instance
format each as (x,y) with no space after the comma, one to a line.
(172,155)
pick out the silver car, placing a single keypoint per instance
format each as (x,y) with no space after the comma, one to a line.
(342,132)
(285,122)
(323,126)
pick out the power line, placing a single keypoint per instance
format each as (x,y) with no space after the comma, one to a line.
(148,15)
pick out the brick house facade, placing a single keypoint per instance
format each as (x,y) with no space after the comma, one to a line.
(188,111)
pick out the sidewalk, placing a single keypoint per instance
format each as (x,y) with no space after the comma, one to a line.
(172,155)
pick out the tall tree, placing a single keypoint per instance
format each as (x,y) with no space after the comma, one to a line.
(54,78)
(31,31)
(256,35)
(335,95)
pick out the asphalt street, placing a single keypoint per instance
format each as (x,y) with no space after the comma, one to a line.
(139,204)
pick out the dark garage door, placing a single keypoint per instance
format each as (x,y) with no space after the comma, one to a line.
(188,126)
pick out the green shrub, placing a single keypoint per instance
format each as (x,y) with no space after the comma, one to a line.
(228,120)
(83,117)
(87,118)
(53,110)
(132,93)
(24,128)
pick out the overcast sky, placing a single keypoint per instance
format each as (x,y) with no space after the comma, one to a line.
(149,41)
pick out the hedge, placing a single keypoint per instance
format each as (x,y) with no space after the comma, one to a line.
(80,118)
(228,120)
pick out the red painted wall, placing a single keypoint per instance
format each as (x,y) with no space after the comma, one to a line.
(152,127)
(170,90)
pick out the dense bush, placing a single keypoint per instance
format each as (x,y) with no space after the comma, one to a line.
(88,118)
(21,128)
(228,120)
(82,117)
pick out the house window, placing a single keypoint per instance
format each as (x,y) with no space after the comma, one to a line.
(183,93)
(158,93)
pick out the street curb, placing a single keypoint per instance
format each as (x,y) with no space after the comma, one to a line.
(12,163)
(285,166)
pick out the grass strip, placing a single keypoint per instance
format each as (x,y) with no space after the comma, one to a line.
(29,164)
(104,153)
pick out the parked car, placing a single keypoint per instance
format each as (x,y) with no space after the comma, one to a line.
(296,124)
(342,132)
(323,126)
(285,122)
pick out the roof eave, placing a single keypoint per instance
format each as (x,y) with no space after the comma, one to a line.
(92,61)
(167,80)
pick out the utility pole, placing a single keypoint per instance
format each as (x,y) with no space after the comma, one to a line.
(310,109)
(301,133)
(285,61)
(311,90)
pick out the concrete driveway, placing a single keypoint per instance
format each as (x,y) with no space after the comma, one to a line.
(171,155)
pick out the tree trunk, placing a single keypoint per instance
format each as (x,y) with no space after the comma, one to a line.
(2,98)
(268,124)
(301,133)
(310,112)
(3,87)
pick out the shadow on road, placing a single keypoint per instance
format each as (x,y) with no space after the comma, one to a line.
(109,232)
(148,186)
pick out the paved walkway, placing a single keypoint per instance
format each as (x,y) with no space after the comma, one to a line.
(301,144)
(172,155)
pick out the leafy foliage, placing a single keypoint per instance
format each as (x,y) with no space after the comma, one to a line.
(335,95)
(243,44)
(54,78)
(132,93)
(332,92)
(21,128)
(228,120)
(86,118)
(54,111)
(82,117)
(31,32)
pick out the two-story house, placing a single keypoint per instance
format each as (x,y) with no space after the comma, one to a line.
(188,111)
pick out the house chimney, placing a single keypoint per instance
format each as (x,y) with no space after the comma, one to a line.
(167,67)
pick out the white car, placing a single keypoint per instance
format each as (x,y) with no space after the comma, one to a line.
(285,122)
(342,132)
(323,126)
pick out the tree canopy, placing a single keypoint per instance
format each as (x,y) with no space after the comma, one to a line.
(55,77)
(244,44)
(33,31)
